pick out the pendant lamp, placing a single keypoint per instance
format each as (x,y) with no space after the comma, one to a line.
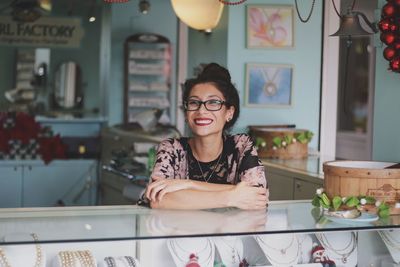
(198,14)
(350,25)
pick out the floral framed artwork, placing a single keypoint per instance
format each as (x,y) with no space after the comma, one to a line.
(269,26)
(268,85)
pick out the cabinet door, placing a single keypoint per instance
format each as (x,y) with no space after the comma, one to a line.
(62,182)
(10,186)
(304,189)
(280,187)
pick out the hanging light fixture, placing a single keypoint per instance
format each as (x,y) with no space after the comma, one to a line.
(350,23)
(144,6)
(198,14)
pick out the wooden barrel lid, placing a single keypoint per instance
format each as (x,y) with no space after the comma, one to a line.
(362,169)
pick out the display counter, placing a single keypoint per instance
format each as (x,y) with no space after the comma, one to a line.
(285,234)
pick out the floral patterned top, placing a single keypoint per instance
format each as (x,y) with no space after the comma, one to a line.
(237,162)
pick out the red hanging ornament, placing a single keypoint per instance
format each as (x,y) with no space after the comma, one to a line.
(193,261)
(396,45)
(387,24)
(388,10)
(389,53)
(395,64)
(388,38)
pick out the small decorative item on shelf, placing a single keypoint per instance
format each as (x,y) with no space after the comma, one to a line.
(282,143)
(389,26)
(368,186)
(21,137)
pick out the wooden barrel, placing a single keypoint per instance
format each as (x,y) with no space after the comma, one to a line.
(380,180)
(293,151)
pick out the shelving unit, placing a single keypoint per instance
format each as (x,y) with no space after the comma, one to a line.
(147,74)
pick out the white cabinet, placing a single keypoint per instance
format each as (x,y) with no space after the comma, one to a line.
(61,182)
(10,186)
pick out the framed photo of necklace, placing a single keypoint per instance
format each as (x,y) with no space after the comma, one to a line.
(269,26)
(268,85)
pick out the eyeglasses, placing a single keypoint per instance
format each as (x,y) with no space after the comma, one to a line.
(210,105)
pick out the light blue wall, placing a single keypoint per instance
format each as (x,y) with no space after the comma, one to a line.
(204,48)
(386,142)
(126,20)
(305,57)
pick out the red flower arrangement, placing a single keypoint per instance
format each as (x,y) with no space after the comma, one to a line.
(21,137)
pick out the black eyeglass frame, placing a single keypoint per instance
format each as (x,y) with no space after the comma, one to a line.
(199,103)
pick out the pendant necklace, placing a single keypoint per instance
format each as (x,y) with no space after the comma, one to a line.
(38,262)
(213,169)
(234,250)
(345,252)
(204,260)
(270,87)
(276,259)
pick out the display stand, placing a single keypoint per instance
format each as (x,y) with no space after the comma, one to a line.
(230,249)
(340,247)
(181,250)
(391,238)
(280,249)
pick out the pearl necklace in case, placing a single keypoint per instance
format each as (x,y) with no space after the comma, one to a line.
(38,262)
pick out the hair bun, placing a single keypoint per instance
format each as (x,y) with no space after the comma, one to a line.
(215,71)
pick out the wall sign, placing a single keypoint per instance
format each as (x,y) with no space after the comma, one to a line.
(44,32)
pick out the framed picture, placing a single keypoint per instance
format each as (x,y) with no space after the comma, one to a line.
(269,26)
(268,85)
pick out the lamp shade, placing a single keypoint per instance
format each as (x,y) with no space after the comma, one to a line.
(350,26)
(198,14)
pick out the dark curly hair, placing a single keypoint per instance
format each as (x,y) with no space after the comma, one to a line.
(220,77)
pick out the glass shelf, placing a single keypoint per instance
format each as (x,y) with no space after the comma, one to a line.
(108,223)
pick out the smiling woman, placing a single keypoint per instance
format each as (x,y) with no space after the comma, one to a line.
(211,168)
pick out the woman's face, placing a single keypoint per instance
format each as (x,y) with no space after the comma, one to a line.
(205,122)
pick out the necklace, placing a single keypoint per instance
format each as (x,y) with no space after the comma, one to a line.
(38,262)
(270,87)
(345,252)
(389,239)
(291,259)
(204,260)
(234,249)
(213,170)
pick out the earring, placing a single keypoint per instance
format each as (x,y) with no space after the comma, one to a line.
(228,120)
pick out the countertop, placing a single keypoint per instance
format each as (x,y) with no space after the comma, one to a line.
(310,166)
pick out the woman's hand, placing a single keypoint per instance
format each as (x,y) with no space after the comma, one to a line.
(157,190)
(247,197)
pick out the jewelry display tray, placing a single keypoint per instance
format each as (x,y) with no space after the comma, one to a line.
(145,234)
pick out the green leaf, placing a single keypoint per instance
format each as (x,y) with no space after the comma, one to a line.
(383,206)
(352,202)
(384,213)
(336,202)
(370,200)
(309,135)
(325,199)
(288,139)
(260,142)
(323,204)
(315,201)
(277,141)
(302,138)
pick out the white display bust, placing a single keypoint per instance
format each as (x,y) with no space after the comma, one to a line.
(181,248)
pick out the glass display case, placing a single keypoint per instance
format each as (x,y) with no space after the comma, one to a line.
(289,233)
(147,75)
